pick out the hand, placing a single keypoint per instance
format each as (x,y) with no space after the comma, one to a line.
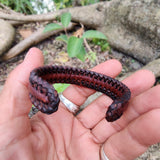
(63,136)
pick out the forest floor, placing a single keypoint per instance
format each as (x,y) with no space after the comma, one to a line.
(55,53)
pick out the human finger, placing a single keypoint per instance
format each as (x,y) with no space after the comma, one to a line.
(139,105)
(134,140)
(95,112)
(14,97)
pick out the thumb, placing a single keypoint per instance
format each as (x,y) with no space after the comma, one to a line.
(14,97)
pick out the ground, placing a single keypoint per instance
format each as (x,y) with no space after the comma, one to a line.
(55,53)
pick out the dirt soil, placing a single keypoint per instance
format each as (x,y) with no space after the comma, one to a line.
(55,53)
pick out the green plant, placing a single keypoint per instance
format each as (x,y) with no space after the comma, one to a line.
(60,87)
(102,43)
(91,56)
(87,2)
(62,3)
(64,19)
(23,6)
(75,45)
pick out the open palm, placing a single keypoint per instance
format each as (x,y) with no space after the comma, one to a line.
(61,135)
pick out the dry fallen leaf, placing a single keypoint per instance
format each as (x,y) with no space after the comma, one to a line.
(62,57)
(25,33)
(79,33)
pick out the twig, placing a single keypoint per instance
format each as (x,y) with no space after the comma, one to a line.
(87,45)
(30,41)
(85,41)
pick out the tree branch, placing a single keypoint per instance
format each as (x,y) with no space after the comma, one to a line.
(31,40)
(79,14)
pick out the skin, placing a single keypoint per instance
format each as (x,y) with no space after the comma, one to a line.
(62,136)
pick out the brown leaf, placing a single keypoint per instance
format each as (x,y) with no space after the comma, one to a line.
(79,33)
(62,57)
(25,33)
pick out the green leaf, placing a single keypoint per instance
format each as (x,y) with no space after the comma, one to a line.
(65,19)
(60,87)
(51,27)
(94,34)
(62,38)
(81,54)
(74,46)
(91,56)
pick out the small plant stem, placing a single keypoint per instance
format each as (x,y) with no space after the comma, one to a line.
(65,30)
(87,45)
(85,41)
